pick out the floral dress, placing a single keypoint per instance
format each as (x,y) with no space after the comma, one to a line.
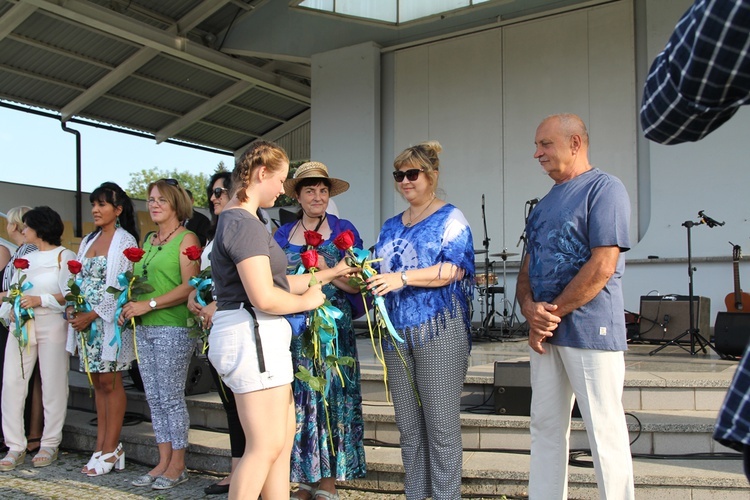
(93,287)
(312,456)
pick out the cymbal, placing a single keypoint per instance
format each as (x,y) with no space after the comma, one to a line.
(479,250)
(503,255)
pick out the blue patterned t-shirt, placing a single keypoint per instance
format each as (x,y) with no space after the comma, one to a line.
(443,237)
(591,210)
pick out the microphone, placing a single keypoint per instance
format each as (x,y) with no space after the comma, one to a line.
(533,201)
(708,220)
(667,317)
(482,203)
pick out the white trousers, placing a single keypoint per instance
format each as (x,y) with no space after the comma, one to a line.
(596,380)
(47,340)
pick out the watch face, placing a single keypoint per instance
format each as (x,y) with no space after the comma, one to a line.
(152,304)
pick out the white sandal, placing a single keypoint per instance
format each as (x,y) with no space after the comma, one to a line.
(104,466)
(91,463)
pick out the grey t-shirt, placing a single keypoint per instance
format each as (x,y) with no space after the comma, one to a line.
(239,236)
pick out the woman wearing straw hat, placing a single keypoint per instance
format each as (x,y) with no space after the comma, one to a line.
(315,464)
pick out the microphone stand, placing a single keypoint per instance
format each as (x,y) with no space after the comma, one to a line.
(484,290)
(696,339)
(528,207)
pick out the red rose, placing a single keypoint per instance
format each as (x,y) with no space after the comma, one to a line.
(74,266)
(345,240)
(133,254)
(310,259)
(193,252)
(313,238)
(21,264)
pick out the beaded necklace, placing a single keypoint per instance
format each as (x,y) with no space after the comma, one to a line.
(151,253)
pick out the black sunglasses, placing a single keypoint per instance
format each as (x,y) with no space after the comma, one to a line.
(410,174)
(171,182)
(219,191)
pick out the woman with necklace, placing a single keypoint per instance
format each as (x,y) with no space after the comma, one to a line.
(315,465)
(102,259)
(426,278)
(48,272)
(162,342)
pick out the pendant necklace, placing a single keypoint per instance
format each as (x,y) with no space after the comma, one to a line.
(411,221)
(320,222)
(151,253)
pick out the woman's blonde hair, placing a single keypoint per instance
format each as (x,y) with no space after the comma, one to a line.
(423,156)
(15,216)
(175,195)
(259,154)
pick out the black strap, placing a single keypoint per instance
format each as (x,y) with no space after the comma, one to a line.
(258,343)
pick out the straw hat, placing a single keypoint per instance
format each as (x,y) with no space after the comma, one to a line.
(314,170)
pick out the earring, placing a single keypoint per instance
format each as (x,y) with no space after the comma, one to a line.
(117,223)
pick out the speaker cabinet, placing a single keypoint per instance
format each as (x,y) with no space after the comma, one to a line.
(664,317)
(199,379)
(513,388)
(732,333)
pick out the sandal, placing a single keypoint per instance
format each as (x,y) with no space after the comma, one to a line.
(12,460)
(45,457)
(327,495)
(30,449)
(306,488)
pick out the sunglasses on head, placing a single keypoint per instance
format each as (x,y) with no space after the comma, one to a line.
(219,191)
(171,182)
(410,174)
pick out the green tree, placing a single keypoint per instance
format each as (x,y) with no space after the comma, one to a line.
(196,183)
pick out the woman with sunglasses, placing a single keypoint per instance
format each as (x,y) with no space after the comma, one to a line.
(102,259)
(219,187)
(162,343)
(426,276)
(316,464)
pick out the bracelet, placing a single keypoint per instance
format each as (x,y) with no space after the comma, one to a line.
(404,279)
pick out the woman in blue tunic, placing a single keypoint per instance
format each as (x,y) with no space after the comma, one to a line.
(315,465)
(426,276)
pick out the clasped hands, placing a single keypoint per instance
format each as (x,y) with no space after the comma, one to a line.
(542,323)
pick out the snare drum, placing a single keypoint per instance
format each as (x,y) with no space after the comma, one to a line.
(479,279)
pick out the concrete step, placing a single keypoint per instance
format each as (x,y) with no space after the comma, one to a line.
(484,472)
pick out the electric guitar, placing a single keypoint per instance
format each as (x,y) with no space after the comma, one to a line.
(737,301)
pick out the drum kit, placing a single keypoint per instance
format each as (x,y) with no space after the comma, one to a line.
(487,286)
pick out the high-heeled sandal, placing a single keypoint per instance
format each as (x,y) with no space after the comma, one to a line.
(92,462)
(104,466)
(12,460)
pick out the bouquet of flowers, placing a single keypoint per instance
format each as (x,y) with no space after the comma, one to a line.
(202,283)
(358,257)
(319,339)
(77,300)
(21,314)
(132,285)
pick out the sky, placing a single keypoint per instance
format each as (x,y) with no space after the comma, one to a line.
(35,150)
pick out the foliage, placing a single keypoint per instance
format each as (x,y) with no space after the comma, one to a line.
(284,200)
(196,183)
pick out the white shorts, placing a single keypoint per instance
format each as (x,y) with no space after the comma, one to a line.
(233,353)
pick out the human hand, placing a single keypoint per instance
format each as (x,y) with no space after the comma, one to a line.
(192,304)
(132,310)
(381,284)
(81,320)
(31,301)
(314,297)
(541,323)
(207,315)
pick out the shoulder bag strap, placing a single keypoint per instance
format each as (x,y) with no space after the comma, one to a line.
(258,343)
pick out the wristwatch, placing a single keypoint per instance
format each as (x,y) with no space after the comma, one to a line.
(152,304)
(404,279)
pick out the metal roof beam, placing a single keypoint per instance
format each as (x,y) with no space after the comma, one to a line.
(105,20)
(144,55)
(202,110)
(14,17)
(109,81)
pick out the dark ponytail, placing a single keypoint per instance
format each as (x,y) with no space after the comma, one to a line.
(117,197)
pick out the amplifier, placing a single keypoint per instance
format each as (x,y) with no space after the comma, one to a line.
(664,317)
(513,388)
(732,333)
